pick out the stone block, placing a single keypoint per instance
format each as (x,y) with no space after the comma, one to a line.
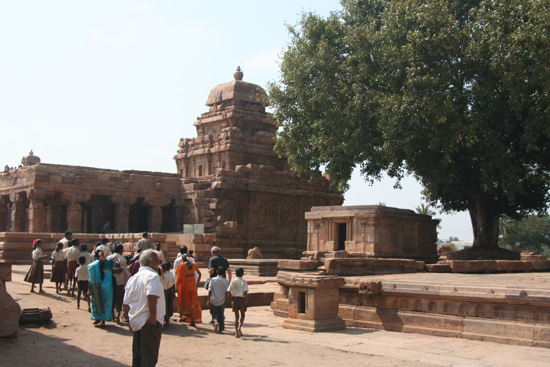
(5,271)
(438,268)
(472,266)
(314,325)
(507,332)
(297,265)
(349,266)
(541,265)
(542,336)
(393,266)
(10,311)
(403,321)
(514,265)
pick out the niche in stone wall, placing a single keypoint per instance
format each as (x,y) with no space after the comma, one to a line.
(171,221)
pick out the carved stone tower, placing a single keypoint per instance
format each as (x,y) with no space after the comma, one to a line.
(235,131)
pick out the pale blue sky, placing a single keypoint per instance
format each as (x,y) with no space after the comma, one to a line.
(115,84)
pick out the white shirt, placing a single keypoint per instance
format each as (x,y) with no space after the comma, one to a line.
(106,250)
(37,253)
(88,256)
(58,255)
(65,242)
(124,274)
(238,287)
(218,289)
(82,273)
(72,253)
(177,262)
(146,282)
(168,280)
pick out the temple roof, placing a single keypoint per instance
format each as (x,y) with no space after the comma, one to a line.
(237,90)
(30,160)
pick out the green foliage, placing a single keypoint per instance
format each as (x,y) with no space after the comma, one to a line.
(425,209)
(456,93)
(531,233)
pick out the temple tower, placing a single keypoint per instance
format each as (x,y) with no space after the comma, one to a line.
(235,131)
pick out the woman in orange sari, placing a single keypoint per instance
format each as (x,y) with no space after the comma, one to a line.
(188,298)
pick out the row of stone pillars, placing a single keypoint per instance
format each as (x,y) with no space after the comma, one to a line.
(27,213)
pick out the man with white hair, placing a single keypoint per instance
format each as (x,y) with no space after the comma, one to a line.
(144,306)
(216,261)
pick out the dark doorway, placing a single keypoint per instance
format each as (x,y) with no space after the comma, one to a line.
(138,217)
(342,236)
(86,217)
(302,302)
(58,213)
(102,211)
(170,218)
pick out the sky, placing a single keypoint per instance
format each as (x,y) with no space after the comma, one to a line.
(115,84)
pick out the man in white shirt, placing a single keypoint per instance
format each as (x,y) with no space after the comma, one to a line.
(144,306)
(65,240)
(104,247)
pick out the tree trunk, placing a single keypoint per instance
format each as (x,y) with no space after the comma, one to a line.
(485,219)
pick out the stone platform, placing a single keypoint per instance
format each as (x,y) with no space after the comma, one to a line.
(256,267)
(504,308)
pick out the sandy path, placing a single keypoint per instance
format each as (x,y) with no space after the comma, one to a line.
(71,340)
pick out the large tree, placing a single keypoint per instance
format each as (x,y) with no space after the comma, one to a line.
(456,93)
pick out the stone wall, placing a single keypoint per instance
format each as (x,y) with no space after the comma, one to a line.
(54,198)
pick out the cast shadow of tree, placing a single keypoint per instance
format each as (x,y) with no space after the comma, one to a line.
(33,348)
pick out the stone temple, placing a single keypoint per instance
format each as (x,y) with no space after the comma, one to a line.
(231,189)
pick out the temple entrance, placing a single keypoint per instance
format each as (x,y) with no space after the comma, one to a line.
(341,235)
(96,212)
(138,220)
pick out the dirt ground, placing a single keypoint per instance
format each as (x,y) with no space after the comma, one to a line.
(70,339)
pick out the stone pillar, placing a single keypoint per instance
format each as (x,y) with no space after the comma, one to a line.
(38,221)
(74,217)
(312,301)
(155,219)
(122,214)
(19,213)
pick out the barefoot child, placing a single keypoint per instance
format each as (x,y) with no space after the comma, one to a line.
(83,280)
(239,290)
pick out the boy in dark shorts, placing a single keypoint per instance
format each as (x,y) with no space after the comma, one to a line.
(83,280)
(239,290)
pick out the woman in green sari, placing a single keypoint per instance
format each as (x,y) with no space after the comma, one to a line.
(101,288)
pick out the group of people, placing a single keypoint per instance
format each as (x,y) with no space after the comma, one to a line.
(141,289)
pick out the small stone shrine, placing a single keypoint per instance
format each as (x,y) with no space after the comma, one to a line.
(312,301)
(372,231)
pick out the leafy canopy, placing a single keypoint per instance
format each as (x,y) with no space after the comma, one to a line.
(455,92)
